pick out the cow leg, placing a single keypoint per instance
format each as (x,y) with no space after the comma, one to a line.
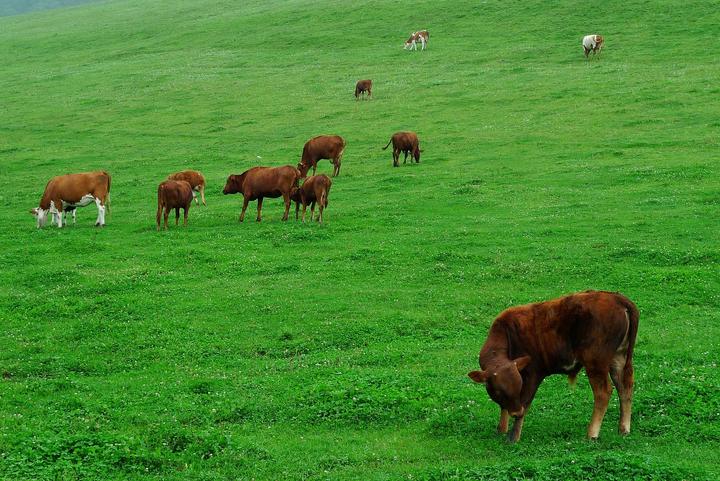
(314,167)
(158,216)
(197,202)
(601,391)
(259,216)
(185,214)
(312,211)
(166,215)
(286,198)
(297,209)
(502,427)
(514,435)
(74,216)
(396,158)
(244,208)
(303,216)
(177,215)
(405,158)
(101,212)
(321,207)
(623,381)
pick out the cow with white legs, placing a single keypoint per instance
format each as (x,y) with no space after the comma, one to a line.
(422,36)
(66,193)
(592,43)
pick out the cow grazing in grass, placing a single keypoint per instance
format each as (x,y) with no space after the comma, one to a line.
(322,147)
(363,86)
(592,43)
(196,181)
(67,192)
(260,182)
(314,189)
(422,36)
(593,329)
(406,142)
(174,194)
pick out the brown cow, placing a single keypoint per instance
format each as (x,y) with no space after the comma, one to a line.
(422,36)
(314,189)
(196,181)
(322,147)
(363,86)
(65,193)
(593,329)
(406,142)
(592,43)
(260,182)
(174,194)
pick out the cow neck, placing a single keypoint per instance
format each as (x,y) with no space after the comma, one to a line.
(45,202)
(495,350)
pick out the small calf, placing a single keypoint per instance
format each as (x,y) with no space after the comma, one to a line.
(363,86)
(314,189)
(592,43)
(174,194)
(196,181)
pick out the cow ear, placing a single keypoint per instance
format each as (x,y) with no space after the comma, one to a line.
(522,362)
(478,376)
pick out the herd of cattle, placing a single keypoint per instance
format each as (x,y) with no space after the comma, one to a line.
(595,330)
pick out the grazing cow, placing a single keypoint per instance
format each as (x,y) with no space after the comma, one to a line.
(406,142)
(174,194)
(593,329)
(422,36)
(65,193)
(260,182)
(322,147)
(363,86)
(196,181)
(592,43)
(314,189)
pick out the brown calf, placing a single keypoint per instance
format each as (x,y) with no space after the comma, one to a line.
(196,181)
(406,142)
(363,86)
(593,329)
(322,147)
(422,36)
(174,194)
(314,189)
(260,182)
(65,193)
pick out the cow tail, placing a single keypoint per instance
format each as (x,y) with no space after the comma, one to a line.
(634,318)
(388,144)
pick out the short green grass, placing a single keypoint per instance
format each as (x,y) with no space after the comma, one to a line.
(340,351)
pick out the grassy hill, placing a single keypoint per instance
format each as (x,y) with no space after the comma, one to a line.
(289,351)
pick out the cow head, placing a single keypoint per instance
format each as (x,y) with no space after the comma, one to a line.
(40,215)
(234,184)
(295,194)
(504,383)
(303,169)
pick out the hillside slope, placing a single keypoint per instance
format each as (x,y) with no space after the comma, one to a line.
(288,351)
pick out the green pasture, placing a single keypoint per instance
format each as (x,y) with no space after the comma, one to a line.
(286,351)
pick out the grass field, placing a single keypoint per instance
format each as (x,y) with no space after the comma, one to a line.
(340,351)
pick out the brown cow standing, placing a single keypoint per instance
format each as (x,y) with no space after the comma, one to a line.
(314,189)
(196,181)
(174,194)
(260,182)
(322,147)
(363,86)
(423,36)
(65,193)
(593,329)
(406,142)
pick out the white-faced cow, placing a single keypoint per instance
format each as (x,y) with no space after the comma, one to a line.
(196,181)
(65,193)
(406,142)
(260,182)
(363,86)
(174,194)
(422,36)
(322,147)
(593,329)
(592,43)
(314,189)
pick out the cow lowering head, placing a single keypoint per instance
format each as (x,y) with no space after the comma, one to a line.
(40,215)
(303,169)
(504,384)
(234,184)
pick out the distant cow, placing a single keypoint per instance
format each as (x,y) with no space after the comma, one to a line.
(196,181)
(174,194)
(593,329)
(67,192)
(363,86)
(592,43)
(406,142)
(314,189)
(322,147)
(260,182)
(422,36)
